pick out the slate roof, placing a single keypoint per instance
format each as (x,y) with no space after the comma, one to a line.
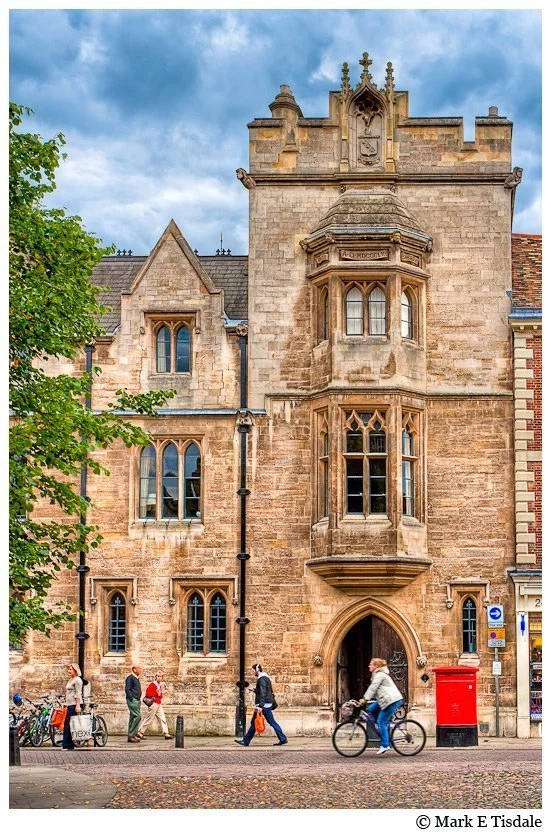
(228,272)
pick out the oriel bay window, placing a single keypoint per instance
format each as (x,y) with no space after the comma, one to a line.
(365,454)
(170,481)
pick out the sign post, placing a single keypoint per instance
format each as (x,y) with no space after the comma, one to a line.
(496,639)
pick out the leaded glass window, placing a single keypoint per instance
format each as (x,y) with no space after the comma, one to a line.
(148,483)
(366,464)
(217,624)
(325,327)
(163,350)
(192,482)
(169,501)
(182,350)
(408,493)
(377,311)
(407,316)
(354,312)
(195,637)
(116,636)
(323,510)
(469,626)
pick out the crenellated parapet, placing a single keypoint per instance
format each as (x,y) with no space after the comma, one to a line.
(369,131)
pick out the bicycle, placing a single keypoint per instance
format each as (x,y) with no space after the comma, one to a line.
(41,723)
(350,737)
(100,734)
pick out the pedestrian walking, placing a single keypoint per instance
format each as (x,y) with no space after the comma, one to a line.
(265,703)
(133,691)
(155,690)
(387,699)
(73,701)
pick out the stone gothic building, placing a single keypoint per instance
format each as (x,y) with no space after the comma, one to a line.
(335,476)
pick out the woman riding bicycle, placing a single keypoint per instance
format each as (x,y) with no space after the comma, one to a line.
(387,699)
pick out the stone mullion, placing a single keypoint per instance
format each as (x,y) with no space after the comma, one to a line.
(393,308)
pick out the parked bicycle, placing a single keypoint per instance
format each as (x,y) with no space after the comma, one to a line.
(100,734)
(350,737)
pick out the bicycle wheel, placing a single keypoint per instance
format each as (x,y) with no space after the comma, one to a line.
(99,732)
(56,736)
(408,737)
(36,732)
(349,739)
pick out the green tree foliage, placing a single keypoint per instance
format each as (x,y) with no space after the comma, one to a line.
(54,312)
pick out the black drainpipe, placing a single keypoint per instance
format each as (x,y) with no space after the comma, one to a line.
(243,427)
(82,568)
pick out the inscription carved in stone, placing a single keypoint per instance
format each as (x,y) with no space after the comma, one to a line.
(407,257)
(320,259)
(375,254)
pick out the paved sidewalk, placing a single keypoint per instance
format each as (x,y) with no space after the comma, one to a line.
(158,743)
(40,787)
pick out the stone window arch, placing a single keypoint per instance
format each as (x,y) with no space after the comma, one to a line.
(469,625)
(148,483)
(365,453)
(376,304)
(354,312)
(169,481)
(163,349)
(117,623)
(183,349)
(407,317)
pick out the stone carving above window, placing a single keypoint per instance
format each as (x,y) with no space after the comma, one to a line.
(369,127)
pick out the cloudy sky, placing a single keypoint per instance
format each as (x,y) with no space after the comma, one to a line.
(154,104)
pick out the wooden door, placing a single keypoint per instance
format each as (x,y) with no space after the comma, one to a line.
(386,644)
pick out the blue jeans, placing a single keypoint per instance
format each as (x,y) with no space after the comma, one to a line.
(269,717)
(67,739)
(383,717)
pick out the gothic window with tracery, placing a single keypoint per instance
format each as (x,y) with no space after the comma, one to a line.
(169,482)
(469,626)
(323,470)
(172,346)
(206,621)
(217,621)
(365,453)
(409,463)
(354,312)
(407,317)
(148,483)
(192,481)
(195,624)
(377,311)
(116,628)
(170,476)
(163,350)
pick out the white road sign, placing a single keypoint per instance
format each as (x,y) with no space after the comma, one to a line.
(495,615)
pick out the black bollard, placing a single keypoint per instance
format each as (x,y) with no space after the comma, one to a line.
(179,732)
(15,755)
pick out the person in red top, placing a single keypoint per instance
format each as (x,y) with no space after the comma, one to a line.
(156,690)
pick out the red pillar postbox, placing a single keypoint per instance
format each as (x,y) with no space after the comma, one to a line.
(456,716)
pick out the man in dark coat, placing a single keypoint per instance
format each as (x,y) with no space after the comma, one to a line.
(266,704)
(133,691)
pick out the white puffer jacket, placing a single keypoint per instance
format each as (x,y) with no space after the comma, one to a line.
(382,689)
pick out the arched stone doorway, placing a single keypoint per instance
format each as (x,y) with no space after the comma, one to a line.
(370,636)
